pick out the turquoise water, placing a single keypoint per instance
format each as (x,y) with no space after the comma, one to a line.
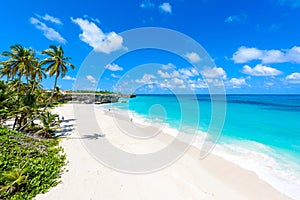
(260,133)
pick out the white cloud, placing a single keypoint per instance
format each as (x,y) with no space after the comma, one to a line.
(273,56)
(189,72)
(147,79)
(163,74)
(115,76)
(260,70)
(50,18)
(245,54)
(113,67)
(96,38)
(235,18)
(215,72)
(91,78)
(166,7)
(173,74)
(293,78)
(147,4)
(197,84)
(193,57)
(69,78)
(168,66)
(48,32)
(237,82)
(293,55)
(232,18)
(178,81)
(92,19)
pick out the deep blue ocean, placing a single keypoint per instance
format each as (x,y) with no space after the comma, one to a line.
(261,132)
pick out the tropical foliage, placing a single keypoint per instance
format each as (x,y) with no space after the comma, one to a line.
(23,101)
(30,160)
(28,165)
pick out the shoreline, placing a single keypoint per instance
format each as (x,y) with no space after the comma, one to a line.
(187,178)
(244,153)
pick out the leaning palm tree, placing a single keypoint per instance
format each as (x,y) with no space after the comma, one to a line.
(57,64)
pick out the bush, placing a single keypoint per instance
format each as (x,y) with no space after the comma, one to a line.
(28,165)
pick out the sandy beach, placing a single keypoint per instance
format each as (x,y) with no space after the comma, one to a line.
(187,178)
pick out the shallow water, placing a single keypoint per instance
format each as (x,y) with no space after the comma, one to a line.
(261,132)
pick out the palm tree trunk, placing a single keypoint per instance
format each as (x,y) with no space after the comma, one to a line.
(15,123)
(44,109)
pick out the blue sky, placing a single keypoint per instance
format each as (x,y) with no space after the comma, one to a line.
(255,44)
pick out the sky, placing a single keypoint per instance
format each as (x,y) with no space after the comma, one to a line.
(254,45)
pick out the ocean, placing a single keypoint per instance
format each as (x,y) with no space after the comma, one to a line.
(261,133)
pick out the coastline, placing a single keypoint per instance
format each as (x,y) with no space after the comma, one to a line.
(188,178)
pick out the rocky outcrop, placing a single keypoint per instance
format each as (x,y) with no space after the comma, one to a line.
(95,98)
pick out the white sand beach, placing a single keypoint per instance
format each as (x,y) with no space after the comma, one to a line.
(187,178)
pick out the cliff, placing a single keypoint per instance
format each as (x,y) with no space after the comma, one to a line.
(95,98)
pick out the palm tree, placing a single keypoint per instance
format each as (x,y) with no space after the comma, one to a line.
(13,180)
(37,74)
(57,64)
(6,71)
(49,124)
(20,61)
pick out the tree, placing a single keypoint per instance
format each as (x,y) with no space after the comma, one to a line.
(57,64)
(20,61)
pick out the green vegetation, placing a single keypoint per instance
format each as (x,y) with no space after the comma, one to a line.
(30,159)
(28,165)
(22,98)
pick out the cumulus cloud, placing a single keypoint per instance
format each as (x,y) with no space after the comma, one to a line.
(193,57)
(168,66)
(147,4)
(172,74)
(48,32)
(178,81)
(212,73)
(293,78)
(96,38)
(245,54)
(197,84)
(69,78)
(113,67)
(163,74)
(147,79)
(91,78)
(260,70)
(114,75)
(50,18)
(166,7)
(92,19)
(189,72)
(237,82)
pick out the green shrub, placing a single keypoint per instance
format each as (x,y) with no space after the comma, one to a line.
(28,166)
